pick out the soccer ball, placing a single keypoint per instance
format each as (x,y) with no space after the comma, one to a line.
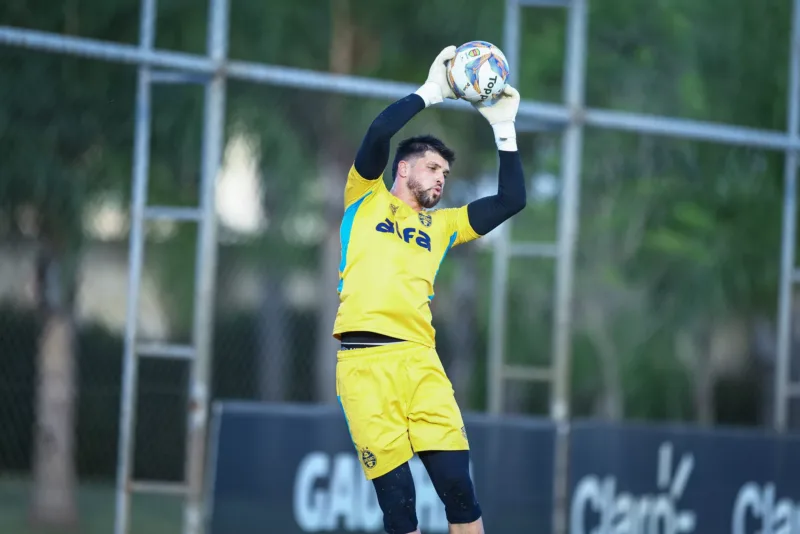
(478,72)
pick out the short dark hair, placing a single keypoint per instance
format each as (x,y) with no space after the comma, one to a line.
(417,146)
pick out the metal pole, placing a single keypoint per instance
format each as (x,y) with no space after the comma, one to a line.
(623,121)
(371,88)
(500,258)
(213,138)
(789,233)
(572,146)
(141,165)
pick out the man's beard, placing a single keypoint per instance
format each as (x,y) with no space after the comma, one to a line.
(425,197)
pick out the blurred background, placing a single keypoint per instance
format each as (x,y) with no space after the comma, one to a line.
(678,255)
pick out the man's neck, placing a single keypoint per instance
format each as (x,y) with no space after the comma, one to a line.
(406,198)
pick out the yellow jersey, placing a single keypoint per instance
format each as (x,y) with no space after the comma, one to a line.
(390,258)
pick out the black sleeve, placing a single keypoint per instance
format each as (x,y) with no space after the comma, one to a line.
(487,213)
(373,154)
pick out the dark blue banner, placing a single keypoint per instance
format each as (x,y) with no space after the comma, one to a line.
(673,480)
(293,469)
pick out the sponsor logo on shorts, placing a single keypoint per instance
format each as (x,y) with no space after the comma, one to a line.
(368,458)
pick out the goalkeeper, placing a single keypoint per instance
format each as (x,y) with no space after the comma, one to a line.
(395,395)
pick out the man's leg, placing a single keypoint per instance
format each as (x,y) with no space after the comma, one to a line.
(437,434)
(398,501)
(372,393)
(449,472)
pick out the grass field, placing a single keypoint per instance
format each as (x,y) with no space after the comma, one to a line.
(149,514)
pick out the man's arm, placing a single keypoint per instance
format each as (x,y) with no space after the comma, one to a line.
(373,154)
(488,213)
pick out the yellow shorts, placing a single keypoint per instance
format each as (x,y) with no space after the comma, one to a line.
(397,400)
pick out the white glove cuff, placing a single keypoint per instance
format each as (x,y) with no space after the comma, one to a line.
(430,92)
(505,135)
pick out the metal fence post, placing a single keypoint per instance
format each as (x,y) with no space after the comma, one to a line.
(784,389)
(199,392)
(571,155)
(141,167)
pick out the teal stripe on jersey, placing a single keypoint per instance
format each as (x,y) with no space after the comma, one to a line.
(344,234)
(449,246)
(346,420)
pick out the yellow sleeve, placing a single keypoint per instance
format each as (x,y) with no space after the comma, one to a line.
(458,223)
(358,186)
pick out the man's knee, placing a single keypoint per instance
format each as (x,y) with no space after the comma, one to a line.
(397,500)
(449,472)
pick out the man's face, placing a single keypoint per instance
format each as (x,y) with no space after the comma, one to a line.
(426,177)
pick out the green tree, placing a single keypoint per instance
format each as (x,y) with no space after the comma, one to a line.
(57,156)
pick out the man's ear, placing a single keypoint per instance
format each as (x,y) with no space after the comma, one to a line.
(402,168)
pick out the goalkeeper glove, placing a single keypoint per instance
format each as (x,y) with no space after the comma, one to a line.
(501,113)
(436,89)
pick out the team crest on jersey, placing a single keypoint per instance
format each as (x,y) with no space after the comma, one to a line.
(368,458)
(425,219)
